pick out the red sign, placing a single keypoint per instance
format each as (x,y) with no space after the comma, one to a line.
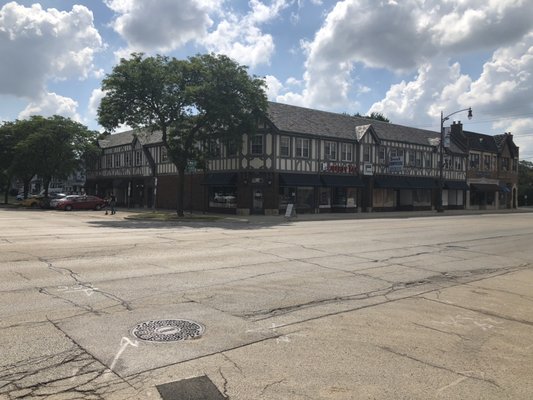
(339,168)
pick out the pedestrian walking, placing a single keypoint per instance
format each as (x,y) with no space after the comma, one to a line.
(112,204)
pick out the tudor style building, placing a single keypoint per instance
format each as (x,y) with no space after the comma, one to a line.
(318,161)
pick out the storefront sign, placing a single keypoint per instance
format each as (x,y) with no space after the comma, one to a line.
(368,169)
(396,164)
(338,168)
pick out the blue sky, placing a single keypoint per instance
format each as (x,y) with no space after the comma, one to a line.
(408,59)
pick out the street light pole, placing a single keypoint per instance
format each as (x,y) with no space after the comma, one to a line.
(440,207)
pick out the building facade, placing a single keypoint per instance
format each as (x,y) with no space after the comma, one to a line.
(317,161)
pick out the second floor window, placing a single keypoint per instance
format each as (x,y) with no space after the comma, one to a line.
(505,164)
(127,159)
(256,145)
(138,157)
(164,154)
(486,162)
(382,155)
(109,161)
(366,153)
(285,146)
(118,160)
(474,161)
(302,148)
(346,152)
(214,148)
(330,150)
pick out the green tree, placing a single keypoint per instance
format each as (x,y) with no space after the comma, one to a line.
(193,102)
(373,115)
(50,147)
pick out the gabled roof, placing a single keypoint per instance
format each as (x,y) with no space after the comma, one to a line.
(306,121)
(145,136)
(502,139)
(481,142)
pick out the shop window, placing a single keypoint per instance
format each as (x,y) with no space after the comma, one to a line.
(223,197)
(287,195)
(330,151)
(256,145)
(384,198)
(302,148)
(325,198)
(346,152)
(285,146)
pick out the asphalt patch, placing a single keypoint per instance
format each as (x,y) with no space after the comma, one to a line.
(200,388)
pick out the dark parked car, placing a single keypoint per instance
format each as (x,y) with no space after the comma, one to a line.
(79,202)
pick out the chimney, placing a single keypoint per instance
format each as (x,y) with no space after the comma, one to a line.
(457,128)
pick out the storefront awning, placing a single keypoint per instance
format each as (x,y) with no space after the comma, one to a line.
(221,179)
(504,189)
(484,187)
(391,183)
(342,181)
(422,183)
(456,185)
(300,180)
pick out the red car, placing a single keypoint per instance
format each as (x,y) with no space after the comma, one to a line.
(77,202)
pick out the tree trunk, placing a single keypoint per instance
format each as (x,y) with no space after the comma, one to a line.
(181,190)
(8,189)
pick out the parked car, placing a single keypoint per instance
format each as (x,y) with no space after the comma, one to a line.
(48,202)
(79,202)
(32,201)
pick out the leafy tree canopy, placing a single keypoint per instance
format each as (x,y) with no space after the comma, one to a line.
(49,147)
(373,115)
(202,99)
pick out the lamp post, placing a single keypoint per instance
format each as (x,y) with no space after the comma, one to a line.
(443,118)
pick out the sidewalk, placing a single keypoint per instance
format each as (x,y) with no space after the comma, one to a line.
(274,219)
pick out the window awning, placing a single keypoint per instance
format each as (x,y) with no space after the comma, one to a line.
(392,183)
(456,185)
(422,183)
(300,180)
(484,187)
(342,181)
(505,189)
(221,179)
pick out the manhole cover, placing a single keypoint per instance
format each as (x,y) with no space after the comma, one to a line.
(168,330)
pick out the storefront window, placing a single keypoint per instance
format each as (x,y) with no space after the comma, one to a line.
(421,197)
(384,198)
(304,198)
(223,197)
(325,198)
(287,195)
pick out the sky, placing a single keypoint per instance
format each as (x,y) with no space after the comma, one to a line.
(407,59)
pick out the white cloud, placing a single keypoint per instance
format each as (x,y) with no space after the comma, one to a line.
(161,25)
(402,37)
(274,86)
(37,45)
(52,104)
(240,36)
(94,102)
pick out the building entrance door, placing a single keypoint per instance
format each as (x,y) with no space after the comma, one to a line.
(257,206)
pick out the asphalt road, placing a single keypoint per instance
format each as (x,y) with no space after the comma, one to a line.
(417,308)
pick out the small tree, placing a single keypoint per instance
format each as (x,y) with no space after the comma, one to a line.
(192,102)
